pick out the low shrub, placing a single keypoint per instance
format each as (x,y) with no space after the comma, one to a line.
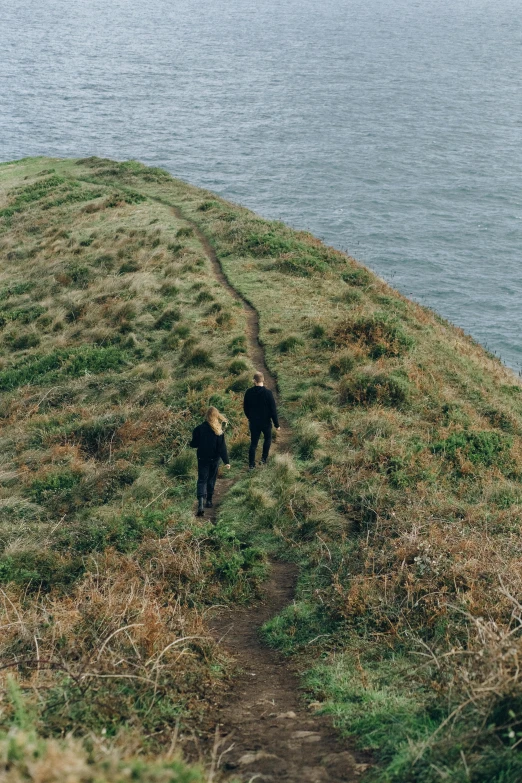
(40,570)
(23,342)
(357,276)
(55,485)
(205,206)
(374,388)
(381,335)
(98,436)
(480,447)
(500,419)
(182,331)
(169,291)
(170,342)
(129,267)
(24,315)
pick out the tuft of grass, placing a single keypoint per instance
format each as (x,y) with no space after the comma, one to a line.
(290,343)
(237,345)
(167,318)
(237,367)
(342,363)
(183,465)
(306,439)
(197,357)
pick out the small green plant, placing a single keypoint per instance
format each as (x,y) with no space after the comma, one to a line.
(54,485)
(224,319)
(479,447)
(182,331)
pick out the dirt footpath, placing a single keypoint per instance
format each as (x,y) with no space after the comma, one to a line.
(265,732)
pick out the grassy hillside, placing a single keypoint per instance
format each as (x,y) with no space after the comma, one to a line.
(111,329)
(400,501)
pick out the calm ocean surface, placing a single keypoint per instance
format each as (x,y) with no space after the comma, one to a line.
(391,128)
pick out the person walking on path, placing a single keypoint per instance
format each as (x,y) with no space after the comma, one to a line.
(260,409)
(209,440)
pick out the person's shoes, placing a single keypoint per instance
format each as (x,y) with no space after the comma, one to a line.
(264,461)
(208,504)
(252,467)
(201,509)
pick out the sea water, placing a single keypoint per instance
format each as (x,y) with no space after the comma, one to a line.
(390,128)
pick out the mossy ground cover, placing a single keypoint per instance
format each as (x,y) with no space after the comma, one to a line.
(401,501)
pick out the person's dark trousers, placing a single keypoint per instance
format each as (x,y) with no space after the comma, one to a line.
(255,434)
(207,475)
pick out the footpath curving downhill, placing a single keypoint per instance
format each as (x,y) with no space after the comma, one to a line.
(263,730)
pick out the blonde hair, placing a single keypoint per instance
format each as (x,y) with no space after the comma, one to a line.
(216,420)
(259,377)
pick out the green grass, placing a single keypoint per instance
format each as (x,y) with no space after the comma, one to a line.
(400,500)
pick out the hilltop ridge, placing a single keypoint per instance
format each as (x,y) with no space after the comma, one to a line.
(399,499)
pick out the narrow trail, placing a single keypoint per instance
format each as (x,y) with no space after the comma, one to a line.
(264,732)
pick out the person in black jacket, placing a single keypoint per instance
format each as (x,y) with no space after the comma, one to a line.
(260,409)
(209,440)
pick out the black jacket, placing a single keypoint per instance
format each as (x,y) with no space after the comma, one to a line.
(259,406)
(209,445)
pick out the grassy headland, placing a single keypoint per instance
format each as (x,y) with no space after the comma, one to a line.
(401,501)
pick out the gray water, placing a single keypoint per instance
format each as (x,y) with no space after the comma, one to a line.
(391,128)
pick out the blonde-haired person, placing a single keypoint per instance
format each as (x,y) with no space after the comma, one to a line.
(209,439)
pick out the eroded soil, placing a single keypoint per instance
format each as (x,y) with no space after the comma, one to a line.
(265,731)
